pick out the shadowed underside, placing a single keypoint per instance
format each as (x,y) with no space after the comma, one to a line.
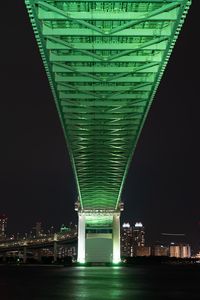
(104,60)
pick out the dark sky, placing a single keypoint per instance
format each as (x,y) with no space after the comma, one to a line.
(36,180)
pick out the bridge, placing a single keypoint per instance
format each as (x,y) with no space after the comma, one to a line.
(104,60)
(40,242)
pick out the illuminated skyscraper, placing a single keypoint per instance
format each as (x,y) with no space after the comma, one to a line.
(126,240)
(138,235)
(132,238)
(3,226)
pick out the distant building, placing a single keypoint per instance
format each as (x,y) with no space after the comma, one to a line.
(175,244)
(138,235)
(197,255)
(64,229)
(3,226)
(67,251)
(132,237)
(69,230)
(38,229)
(142,251)
(185,251)
(126,240)
(179,251)
(160,250)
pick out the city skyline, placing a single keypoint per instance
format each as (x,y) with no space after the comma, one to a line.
(132,234)
(36,175)
(132,237)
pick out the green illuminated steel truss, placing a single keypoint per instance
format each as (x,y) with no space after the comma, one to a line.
(104,60)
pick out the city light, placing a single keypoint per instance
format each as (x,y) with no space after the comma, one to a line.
(126,225)
(138,224)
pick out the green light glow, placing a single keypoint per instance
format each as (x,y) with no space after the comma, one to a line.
(99,221)
(104,61)
(81,262)
(116,262)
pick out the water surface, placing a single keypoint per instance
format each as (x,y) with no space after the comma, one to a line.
(100,283)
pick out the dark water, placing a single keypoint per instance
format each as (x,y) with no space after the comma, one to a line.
(99,283)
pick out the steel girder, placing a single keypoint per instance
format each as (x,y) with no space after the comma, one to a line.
(104,61)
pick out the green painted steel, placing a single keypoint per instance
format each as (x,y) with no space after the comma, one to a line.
(104,61)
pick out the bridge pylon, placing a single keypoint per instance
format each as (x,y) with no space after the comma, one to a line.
(98,235)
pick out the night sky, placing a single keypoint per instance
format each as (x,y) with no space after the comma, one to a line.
(36,180)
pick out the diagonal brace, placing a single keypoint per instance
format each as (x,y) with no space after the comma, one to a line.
(68,17)
(146,17)
(143,67)
(59,41)
(76,71)
(144,45)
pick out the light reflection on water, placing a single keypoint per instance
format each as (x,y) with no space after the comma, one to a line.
(100,283)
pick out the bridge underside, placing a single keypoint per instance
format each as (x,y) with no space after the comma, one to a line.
(104,60)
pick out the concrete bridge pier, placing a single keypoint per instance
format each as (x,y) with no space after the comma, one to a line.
(4,257)
(81,238)
(55,252)
(24,254)
(116,238)
(37,255)
(99,236)
(55,248)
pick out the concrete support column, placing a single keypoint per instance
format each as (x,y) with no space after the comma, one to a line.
(55,252)
(24,254)
(81,238)
(116,238)
(39,256)
(4,257)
